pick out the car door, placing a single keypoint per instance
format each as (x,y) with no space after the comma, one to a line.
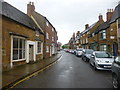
(117,67)
(92,58)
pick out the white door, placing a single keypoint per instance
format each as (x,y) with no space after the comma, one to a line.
(31,53)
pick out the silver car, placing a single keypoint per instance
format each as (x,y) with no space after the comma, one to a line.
(79,52)
(101,60)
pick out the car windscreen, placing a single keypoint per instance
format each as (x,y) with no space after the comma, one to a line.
(89,51)
(79,49)
(103,55)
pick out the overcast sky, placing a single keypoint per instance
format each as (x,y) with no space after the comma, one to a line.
(68,16)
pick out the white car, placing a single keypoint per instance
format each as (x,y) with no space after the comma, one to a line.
(101,60)
(79,52)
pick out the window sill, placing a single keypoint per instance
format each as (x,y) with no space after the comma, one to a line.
(18,60)
(39,53)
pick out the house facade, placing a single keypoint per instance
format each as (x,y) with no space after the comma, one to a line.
(50,33)
(103,36)
(106,36)
(115,25)
(20,38)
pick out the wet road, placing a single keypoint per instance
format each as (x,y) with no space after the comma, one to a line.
(69,72)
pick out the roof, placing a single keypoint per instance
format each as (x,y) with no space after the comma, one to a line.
(103,26)
(13,13)
(89,28)
(116,14)
(37,17)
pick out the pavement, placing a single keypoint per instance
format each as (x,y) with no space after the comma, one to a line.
(14,75)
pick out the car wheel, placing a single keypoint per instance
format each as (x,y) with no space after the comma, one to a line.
(85,59)
(115,82)
(95,67)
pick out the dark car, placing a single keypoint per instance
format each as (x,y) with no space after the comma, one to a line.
(116,73)
(87,54)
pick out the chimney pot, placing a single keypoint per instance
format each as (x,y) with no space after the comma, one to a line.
(30,8)
(32,3)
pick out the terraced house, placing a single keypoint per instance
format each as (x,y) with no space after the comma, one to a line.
(20,38)
(86,37)
(50,33)
(106,36)
(115,25)
(103,36)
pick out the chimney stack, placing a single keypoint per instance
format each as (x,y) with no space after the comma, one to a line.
(100,17)
(109,14)
(86,26)
(30,8)
(78,32)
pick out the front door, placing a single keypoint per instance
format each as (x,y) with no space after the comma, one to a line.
(31,53)
(114,49)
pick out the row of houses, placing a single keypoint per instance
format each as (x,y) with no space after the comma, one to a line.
(101,35)
(27,37)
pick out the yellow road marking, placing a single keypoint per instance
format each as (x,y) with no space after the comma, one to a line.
(35,73)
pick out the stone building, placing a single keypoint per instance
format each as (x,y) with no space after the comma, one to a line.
(20,37)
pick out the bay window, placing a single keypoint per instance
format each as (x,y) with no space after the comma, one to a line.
(18,48)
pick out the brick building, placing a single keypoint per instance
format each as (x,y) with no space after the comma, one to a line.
(85,38)
(106,36)
(77,40)
(115,25)
(50,33)
(20,37)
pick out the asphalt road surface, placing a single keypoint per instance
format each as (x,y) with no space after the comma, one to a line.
(69,72)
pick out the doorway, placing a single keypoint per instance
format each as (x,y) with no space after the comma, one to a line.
(31,53)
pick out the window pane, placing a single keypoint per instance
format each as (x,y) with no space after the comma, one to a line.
(39,47)
(15,43)
(15,54)
(23,53)
(20,54)
(20,43)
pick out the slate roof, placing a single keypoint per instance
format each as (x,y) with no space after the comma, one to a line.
(88,28)
(37,15)
(103,26)
(116,14)
(12,13)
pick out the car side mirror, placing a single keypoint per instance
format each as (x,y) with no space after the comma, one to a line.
(92,56)
(114,57)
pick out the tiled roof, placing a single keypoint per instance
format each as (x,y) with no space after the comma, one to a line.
(12,13)
(103,26)
(116,14)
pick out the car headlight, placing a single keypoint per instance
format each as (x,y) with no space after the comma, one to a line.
(98,60)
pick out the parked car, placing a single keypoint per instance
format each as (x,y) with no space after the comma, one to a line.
(72,51)
(79,52)
(101,60)
(116,73)
(87,54)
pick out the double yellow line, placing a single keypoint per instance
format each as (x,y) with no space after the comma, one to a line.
(35,73)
